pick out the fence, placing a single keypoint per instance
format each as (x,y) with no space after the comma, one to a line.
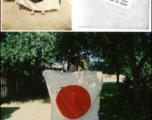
(3,84)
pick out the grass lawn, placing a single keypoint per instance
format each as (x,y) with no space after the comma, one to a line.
(112,108)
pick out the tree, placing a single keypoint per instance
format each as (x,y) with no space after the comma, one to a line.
(22,55)
(139,53)
(34,48)
(25,53)
(124,50)
(109,48)
(72,48)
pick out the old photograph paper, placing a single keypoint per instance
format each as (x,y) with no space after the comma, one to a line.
(36,15)
(111,14)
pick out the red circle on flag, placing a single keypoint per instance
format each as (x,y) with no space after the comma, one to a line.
(73,101)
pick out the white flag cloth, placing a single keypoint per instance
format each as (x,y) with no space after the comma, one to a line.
(74,96)
(45,5)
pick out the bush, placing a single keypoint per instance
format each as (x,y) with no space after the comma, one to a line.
(4,99)
(127,91)
(145,94)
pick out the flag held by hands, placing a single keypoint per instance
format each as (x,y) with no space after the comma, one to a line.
(74,96)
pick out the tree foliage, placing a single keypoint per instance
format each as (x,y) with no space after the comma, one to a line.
(72,48)
(27,49)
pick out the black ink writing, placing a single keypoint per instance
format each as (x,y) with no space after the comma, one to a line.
(117,1)
(124,1)
(123,4)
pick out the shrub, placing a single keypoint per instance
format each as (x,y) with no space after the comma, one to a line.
(127,92)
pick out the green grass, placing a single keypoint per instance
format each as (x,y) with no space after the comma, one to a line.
(25,99)
(112,108)
(3,95)
(6,112)
(3,98)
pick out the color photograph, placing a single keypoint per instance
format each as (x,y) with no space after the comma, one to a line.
(75,75)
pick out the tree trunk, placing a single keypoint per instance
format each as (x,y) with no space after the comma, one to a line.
(117,76)
(8,84)
(68,66)
(134,68)
(136,85)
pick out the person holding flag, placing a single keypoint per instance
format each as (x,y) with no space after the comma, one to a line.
(74,95)
(73,68)
(40,5)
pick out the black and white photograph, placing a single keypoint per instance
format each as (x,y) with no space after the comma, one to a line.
(31,15)
(111,15)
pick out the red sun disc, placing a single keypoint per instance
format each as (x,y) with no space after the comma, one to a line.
(73,101)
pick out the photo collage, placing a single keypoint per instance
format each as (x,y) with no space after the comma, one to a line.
(75,60)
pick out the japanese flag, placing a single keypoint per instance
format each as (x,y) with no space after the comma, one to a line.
(74,96)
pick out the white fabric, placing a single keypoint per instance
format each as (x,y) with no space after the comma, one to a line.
(91,81)
(45,5)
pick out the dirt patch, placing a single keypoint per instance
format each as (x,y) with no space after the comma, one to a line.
(15,17)
(26,111)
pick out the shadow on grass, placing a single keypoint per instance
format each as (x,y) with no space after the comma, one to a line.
(6,112)
(25,99)
(111,108)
